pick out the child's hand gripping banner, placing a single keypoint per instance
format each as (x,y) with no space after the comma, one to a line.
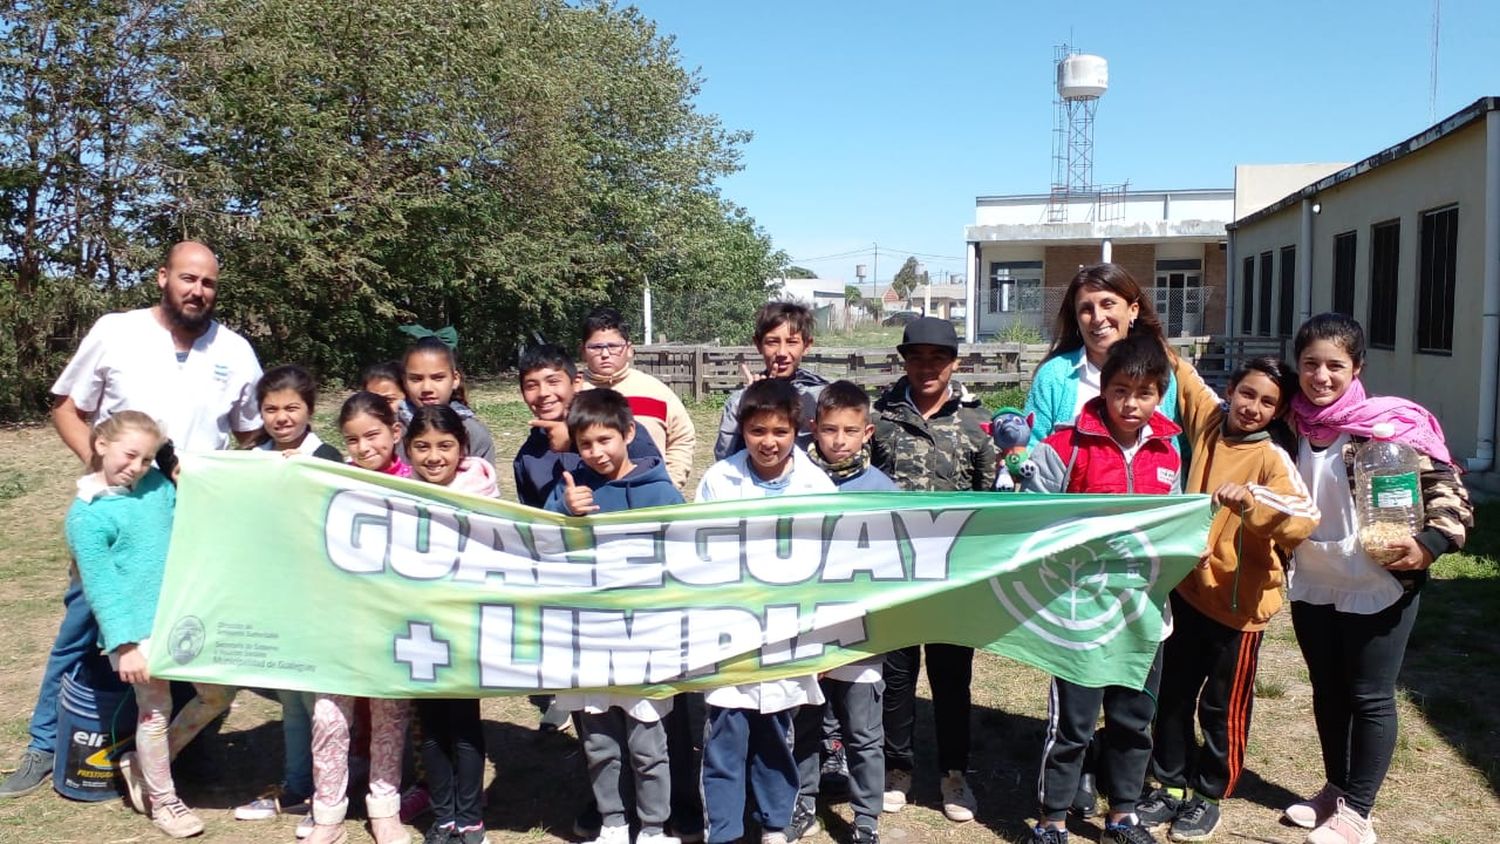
(304,574)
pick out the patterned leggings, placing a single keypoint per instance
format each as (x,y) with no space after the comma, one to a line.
(330,747)
(156,743)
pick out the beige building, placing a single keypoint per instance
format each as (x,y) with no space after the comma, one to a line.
(1408,242)
(1024,249)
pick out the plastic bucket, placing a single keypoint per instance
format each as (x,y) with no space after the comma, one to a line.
(96,716)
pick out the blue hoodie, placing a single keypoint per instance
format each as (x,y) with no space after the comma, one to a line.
(647,485)
(538,468)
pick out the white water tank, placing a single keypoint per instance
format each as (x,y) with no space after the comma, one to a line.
(1082,77)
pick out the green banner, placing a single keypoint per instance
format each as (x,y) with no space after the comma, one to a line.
(305,574)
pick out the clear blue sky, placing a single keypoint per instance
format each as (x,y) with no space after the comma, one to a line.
(880,121)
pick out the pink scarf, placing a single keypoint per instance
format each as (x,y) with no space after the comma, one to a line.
(1357,414)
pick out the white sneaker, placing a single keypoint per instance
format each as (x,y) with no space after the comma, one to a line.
(656,838)
(958,800)
(897,786)
(777,837)
(306,826)
(134,790)
(613,835)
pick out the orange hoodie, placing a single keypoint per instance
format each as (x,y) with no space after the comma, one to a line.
(1241,585)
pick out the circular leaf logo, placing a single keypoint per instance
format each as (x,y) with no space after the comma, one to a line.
(187,639)
(1082,590)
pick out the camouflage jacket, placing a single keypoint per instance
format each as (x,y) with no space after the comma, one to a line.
(948,452)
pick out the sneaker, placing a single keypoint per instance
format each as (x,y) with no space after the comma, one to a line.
(958,800)
(471,835)
(1198,820)
(557,719)
(587,825)
(804,822)
(777,837)
(688,830)
(416,802)
(833,776)
(440,834)
(1128,831)
(1344,826)
(1316,809)
(613,835)
(897,786)
(1159,807)
(174,818)
(1086,801)
(1043,834)
(306,826)
(866,835)
(657,838)
(33,770)
(135,793)
(273,802)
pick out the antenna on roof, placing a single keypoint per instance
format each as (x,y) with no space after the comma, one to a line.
(1433,75)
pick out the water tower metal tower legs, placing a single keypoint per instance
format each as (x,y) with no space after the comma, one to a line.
(1081,145)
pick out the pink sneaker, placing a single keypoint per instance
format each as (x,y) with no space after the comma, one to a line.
(1346,826)
(1316,809)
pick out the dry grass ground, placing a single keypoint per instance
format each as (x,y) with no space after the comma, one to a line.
(1442,787)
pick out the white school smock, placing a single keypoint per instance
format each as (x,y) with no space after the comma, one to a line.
(1330,566)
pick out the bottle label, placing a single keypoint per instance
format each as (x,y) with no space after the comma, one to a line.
(1394,490)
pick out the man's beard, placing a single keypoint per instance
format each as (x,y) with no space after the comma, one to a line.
(181,319)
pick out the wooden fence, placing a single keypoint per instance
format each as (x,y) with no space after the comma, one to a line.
(698,371)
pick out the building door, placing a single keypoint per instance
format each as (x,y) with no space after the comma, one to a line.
(1179,302)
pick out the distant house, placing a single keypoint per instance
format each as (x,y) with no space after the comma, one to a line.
(1408,242)
(946,300)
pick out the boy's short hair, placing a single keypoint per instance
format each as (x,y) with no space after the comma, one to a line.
(600,407)
(771,395)
(773,315)
(843,395)
(546,356)
(605,319)
(386,370)
(1137,357)
(1273,368)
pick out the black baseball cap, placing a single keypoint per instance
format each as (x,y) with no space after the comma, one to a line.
(929,331)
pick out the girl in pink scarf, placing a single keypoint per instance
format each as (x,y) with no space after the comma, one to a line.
(1353,615)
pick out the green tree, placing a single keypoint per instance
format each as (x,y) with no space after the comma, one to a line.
(798,272)
(906,280)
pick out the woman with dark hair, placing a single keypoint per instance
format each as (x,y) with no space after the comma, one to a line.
(1103,304)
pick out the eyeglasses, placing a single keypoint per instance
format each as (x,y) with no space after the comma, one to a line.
(606,348)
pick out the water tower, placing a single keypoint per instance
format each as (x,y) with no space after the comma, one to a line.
(1081,80)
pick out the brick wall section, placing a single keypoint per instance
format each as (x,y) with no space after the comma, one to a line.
(1061,263)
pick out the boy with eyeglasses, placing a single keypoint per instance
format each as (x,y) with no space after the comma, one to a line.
(607,358)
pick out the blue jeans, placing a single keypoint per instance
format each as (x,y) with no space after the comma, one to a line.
(741,741)
(296,733)
(77,637)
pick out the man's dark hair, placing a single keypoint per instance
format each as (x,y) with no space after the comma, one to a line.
(605,319)
(546,356)
(773,315)
(600,407)
(771,395)
(843,395)
(1136,357)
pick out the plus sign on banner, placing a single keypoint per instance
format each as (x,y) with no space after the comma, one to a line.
(411,590)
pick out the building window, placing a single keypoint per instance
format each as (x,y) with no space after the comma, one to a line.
(1436,275)
(1247,297)
(1178,296)
(1385,264)
(1343,272)
(1288,290)
(1263,313)
(1014,287)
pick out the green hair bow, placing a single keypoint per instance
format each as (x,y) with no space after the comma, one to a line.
(448,334)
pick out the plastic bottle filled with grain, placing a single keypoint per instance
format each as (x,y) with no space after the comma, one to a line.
(1387,481)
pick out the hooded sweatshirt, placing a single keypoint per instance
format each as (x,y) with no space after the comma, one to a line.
(1240,587)
(476,475)
(809,385)
(660,412)
(538,468)
(646,485)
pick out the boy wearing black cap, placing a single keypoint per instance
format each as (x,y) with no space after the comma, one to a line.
(928,437)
